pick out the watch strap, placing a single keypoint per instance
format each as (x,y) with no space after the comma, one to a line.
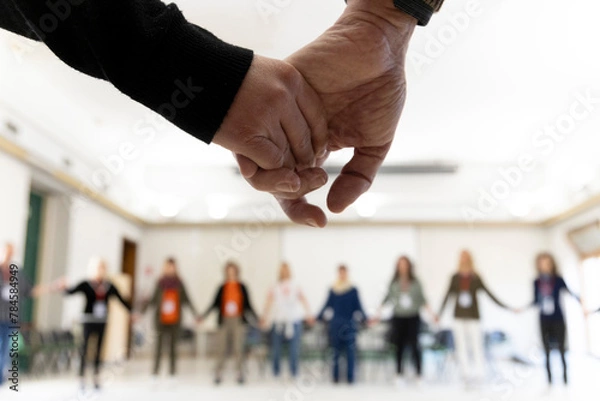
(422,10)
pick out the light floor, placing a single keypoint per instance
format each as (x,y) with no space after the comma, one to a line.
(133,383)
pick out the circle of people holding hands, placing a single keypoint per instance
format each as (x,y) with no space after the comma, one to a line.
(287,310)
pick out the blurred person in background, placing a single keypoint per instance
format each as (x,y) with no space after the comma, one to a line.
(468,334)
(232,302)
(406,296)
(547,290)
(169,298)
(286,301)
(98,291)
(346,313)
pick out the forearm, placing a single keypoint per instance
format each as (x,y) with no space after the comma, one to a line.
(268,306)
(147,50)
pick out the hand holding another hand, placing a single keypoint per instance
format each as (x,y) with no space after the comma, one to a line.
(357,68)
(276,128)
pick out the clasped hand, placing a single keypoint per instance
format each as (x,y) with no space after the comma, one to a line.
(346,89)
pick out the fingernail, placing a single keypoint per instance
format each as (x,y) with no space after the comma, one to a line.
(312,223)
(322,180)
(284,187)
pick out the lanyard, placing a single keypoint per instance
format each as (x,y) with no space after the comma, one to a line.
(100,289)
(547,287)
(465,282)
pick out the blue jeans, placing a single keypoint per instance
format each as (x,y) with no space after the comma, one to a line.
(342,337)
(278,337)
(4,350)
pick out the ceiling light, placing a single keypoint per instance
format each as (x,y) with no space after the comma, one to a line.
(170,206)
(218,205)
(366,206)
(218,211)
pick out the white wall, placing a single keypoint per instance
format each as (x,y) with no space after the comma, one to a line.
(52,263)
(201,254)
(504,258)
(15,180)
(369,252)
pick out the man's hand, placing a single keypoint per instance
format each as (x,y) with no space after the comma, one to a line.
(276,123)
(357,68)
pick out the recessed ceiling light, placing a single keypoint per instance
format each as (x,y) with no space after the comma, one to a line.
(170,206)
(218,212)
(366,206)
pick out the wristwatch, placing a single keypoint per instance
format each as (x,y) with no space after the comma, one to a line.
(422,10)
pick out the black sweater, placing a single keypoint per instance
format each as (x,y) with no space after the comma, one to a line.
(145,48)
(85,287)
(218,303)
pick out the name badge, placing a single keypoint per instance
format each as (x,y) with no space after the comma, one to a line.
(100,310)
(6,292)
(231,308)
(548,307)
(465,300)
(168,307)
(406,301)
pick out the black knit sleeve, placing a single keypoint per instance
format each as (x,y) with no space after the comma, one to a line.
(146,49)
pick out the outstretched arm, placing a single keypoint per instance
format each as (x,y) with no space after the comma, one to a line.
(144,48)
(492,296)
(113,291)
(261,109)
(328,304)
(450,291)
(187,301)
(73,290)
(563,286)
(216,304)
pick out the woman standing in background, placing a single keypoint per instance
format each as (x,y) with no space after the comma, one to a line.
(98,291)
(286,300)
(170,296)
(344,302)
(468,334)
(406,296)
(548,288)
(233,303)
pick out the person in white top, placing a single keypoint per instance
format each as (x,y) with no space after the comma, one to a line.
(284,309)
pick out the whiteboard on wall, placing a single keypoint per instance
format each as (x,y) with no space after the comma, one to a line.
(369,252)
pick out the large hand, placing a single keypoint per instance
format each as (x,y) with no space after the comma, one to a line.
(275,123)
(357,68)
